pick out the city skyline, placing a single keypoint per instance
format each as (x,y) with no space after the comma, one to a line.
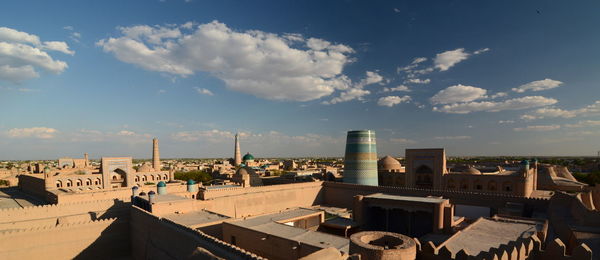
(496,79)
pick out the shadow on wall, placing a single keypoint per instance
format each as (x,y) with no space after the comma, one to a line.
(16,194)
(115,240)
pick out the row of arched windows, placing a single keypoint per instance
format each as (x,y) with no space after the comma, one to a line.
(157,177)
(77,182)
(479,185)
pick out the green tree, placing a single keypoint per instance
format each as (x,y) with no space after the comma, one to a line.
(197,176)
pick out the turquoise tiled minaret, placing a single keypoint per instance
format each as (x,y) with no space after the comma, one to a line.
(360,162)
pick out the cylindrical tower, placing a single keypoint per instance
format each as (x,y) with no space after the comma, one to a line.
(87,159)
(161,188)
(155,155)
(237,157)
(360,162)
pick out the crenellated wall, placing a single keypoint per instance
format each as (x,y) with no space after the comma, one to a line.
(158,238)
(521,249)
(53,214)
(250,201)
(100,239)
(341,194)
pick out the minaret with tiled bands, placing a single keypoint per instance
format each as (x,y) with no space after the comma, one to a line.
(360,161)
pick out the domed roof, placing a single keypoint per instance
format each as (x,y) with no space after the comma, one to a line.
(525,162)
(388,163)
(245,170)
(161,184)
(191,182)
(247,157)
(146,167)
(151,192)
(472,170)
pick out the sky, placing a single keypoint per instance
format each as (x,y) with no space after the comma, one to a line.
(292,77)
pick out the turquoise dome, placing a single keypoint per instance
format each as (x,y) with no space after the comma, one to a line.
(248,157)
(191,182)
(525,162)
(161,184)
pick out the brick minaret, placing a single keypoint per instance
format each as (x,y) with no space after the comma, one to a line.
(238,155)
(155,155)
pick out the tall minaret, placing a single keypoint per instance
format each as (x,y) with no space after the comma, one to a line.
(238,155)
(87,159)
(155,155)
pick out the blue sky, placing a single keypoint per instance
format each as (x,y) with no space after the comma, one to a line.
(104,77)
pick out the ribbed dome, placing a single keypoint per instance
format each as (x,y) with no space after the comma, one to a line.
(161,184)
(472,170)
(245,170)
(145,168)
(248,157)
(388,163)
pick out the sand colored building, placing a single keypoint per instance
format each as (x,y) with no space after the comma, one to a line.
(427,169)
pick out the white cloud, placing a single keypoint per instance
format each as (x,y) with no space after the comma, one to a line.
(506,122)
(348,95)
(584,123)
(528,117)
(401,141)
(419,60)
(398,88)
(204,91)
(391,101)
(538,85)
(492,106)
(356,91)
(551,112)
(22,53)
(458,93)
(460,137)
(126,133)
(216,136)
(445,60)
(498,95)
(537,128)
(263,64)
(33,132)
(418,81)
(58,46)
(480,51)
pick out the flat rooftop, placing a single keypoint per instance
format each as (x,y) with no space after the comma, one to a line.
(215,187)
(486,233)
(196,219)
(270,224)
(381,196)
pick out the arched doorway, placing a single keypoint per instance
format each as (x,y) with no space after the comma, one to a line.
(424,177)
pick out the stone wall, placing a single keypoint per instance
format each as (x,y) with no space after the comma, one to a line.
(53,214)
(521,249)
(33,185)
(159,238)
(341,195)
(269,246)
(101,239)
(250,201)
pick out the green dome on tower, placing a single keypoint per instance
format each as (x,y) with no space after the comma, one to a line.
(247,157)
(161,184)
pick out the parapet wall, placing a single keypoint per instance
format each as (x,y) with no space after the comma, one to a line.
(251,201)
(101,239)
(159,238)
(33,185)
(341,195)
(55,211)
(521,249)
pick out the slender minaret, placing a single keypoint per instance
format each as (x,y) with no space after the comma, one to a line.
(87,159)
(155,155)
(237,158)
